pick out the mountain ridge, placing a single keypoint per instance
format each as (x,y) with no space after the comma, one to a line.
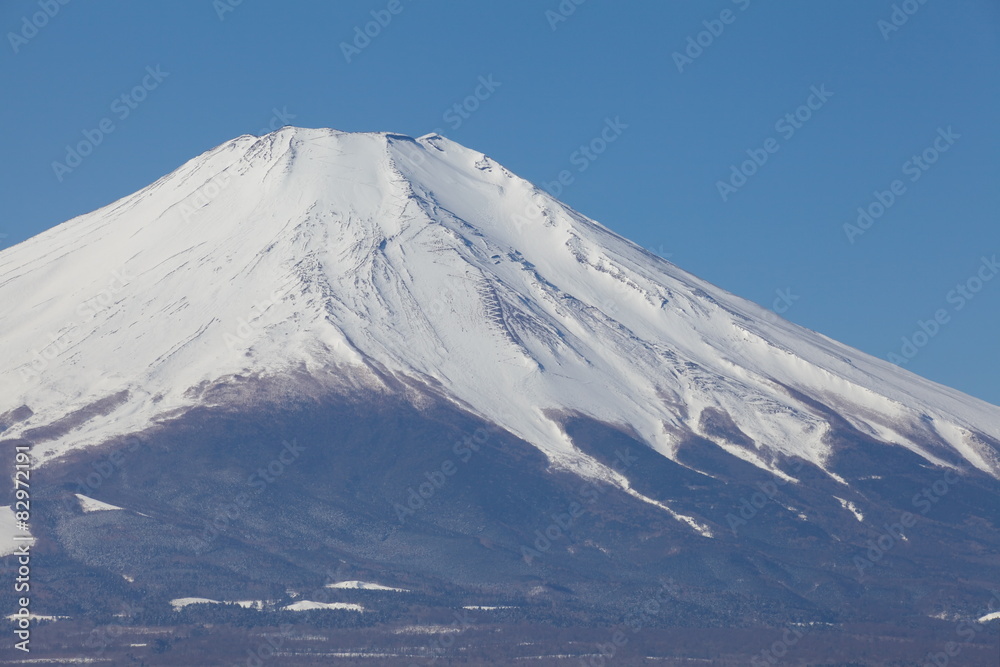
(314,357)
(436,232)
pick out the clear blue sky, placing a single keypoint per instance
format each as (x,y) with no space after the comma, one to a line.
(554,84)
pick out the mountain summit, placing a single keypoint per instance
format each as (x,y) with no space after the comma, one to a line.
(379,256)
(393,360)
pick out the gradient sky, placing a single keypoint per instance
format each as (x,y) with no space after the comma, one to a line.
(558,72)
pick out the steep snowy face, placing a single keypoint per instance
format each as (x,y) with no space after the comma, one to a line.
(371,256)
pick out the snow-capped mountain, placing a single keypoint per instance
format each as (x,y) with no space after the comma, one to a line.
(391,359)
(311,250)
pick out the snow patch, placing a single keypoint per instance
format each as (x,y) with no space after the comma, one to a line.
(485,607)
(11,537)
(36,617)
(306,605)
(426,630)
(94,505)
(180,603)
(700,528)
(848,505)
(366,586)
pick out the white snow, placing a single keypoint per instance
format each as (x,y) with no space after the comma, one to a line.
(36,617)
(306,605)
(336,253)
(848,505)
(700,528)
(363,585)
(180,603)
(485,607)
(10,537)
(837,478)
(92,505)
(426,630)
(990,617)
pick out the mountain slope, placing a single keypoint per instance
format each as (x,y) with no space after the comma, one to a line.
(316,357)
(377,254)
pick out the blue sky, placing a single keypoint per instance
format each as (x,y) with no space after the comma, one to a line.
(696,89)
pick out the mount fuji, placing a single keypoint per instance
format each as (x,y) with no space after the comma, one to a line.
(393,359)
